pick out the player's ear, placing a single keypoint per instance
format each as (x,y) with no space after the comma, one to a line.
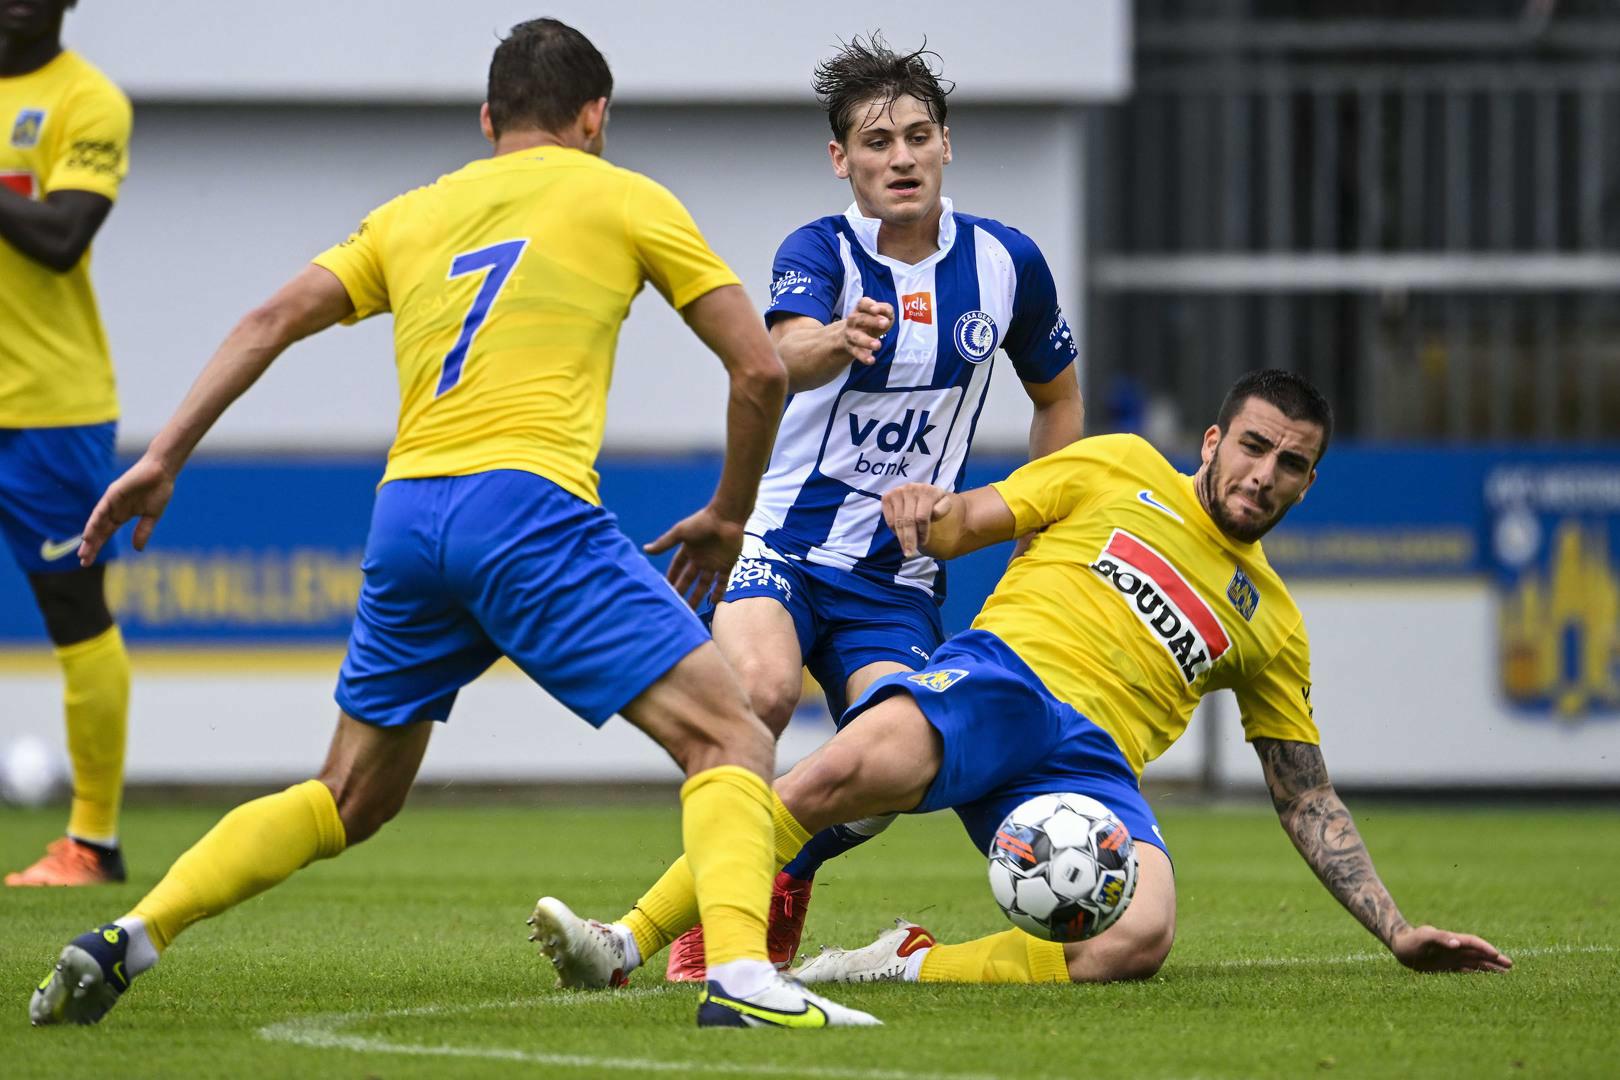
(945,137)
(1212,439)
(840,159)
(1306,488)
(484,123)
(594,113)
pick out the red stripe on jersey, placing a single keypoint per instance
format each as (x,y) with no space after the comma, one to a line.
(20,182)
(1124,546)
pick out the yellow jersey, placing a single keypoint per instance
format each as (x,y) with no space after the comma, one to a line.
(508,280)
(66,128)
(1131,605)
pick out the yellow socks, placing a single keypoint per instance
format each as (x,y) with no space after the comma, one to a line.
(670,907)
(96,692)
(1008,957)
(726,830)
(255,846)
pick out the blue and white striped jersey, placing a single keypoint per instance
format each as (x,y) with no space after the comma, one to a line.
(911,415)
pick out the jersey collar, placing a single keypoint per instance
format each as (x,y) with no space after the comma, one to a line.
(866,231)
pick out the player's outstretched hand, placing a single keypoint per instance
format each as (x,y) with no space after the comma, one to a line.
(709,546)
(141,492)
(911,510)
(1425,948)
(864,329)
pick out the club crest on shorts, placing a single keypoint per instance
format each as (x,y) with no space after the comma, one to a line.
(940,680)
(976,336)
(1244,596)
(26,128)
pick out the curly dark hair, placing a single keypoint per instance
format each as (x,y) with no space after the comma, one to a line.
(868,70)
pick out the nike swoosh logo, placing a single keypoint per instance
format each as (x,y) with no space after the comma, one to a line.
(1146,496)
(118,970)
(51,550)
(810,1017)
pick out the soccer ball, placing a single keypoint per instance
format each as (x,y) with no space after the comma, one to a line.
(31,772)
(1062,867)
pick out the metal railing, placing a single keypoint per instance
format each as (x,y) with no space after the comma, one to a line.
(1420,216)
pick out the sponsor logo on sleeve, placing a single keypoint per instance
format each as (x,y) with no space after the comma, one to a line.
(976,336)
(917,307)
(26,128)
(1165,602)
(938,681)
(1244,596)
(1061,338)
(790,283)
(100,156)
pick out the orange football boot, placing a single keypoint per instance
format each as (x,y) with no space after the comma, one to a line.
(70,862)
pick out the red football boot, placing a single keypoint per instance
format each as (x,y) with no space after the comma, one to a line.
(790,901)
(686,957)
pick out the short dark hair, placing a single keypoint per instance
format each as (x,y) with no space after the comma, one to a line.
(1290,394)
(864,70)
(542,74)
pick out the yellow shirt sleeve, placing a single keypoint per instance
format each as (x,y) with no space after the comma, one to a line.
(1276,704)
(1049,489)
(672,252)
(94,149)
(357,263)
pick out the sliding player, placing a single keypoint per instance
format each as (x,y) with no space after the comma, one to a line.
(64,153)
(508,281)
(1143,590)
(888,317)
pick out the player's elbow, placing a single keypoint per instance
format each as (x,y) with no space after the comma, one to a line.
(271,324)
(62,257)
(761,378)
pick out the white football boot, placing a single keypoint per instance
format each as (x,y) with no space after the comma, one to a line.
(587,954)
(885,960)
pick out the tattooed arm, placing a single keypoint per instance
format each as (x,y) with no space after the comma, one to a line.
(1321,828)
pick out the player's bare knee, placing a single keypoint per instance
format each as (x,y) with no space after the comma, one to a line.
(771,691)
(1128,952)
(819,788)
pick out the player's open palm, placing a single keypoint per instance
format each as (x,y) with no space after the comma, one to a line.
(1425,948)
(142,492)
(709,546)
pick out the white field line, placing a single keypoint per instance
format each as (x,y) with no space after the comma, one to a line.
(325,1033)
(1364,957)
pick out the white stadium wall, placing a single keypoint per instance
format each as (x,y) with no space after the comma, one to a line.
(262,135)
(223,203)
(419,51)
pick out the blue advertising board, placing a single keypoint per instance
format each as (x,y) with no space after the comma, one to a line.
(265,551)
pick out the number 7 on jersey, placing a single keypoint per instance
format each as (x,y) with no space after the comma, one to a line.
(499,260)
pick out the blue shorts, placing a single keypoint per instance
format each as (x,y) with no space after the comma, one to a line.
(843,621)
(1007,739)
(460,570)
(50,480)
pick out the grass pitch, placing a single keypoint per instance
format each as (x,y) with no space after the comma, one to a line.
(406,957)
